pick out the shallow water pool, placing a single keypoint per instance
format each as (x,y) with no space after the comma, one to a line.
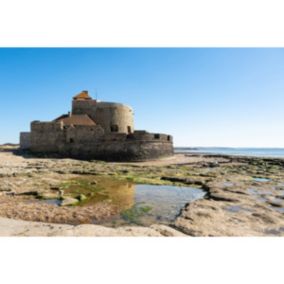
(135,204)
(157,204)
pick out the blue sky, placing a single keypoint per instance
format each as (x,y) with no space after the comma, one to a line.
(203,97)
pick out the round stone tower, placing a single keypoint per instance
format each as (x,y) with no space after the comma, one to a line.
(112,117)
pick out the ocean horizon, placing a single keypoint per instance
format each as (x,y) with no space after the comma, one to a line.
(235,151)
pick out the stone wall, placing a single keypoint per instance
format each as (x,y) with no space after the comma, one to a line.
(25,140)
(47,136)
(131,151)
(146,136)
(90,142)
(113,151)
(84,107)
(55,137)
(83,134)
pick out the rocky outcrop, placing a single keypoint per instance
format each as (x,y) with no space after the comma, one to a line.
(234,211)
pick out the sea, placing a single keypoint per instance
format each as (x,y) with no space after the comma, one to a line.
(253,152)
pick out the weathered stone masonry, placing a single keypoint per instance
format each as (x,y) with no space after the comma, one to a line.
(96,130)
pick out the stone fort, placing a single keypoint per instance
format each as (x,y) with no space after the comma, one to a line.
(96,130)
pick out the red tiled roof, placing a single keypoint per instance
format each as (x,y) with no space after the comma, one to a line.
(61,117)
(76,119)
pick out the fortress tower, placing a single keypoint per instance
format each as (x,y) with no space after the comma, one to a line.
(113,117)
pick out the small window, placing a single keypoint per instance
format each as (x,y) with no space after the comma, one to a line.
(169,138)
(129,129)
(114,128)
(71,140)
(157,136)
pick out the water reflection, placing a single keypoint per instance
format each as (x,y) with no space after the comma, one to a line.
(119,193)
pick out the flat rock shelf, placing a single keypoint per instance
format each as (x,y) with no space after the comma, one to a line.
(202,195)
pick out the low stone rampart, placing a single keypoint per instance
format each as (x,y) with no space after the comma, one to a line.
(91,142)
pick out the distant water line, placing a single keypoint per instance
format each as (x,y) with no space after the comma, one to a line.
(253,152)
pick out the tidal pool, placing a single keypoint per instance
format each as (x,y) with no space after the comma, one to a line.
(237,209)
(136,204)
(157,204)
(259,179)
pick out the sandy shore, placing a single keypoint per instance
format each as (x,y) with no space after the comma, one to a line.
(245,196)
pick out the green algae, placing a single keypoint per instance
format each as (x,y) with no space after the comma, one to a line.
(134,214)
(101,189)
